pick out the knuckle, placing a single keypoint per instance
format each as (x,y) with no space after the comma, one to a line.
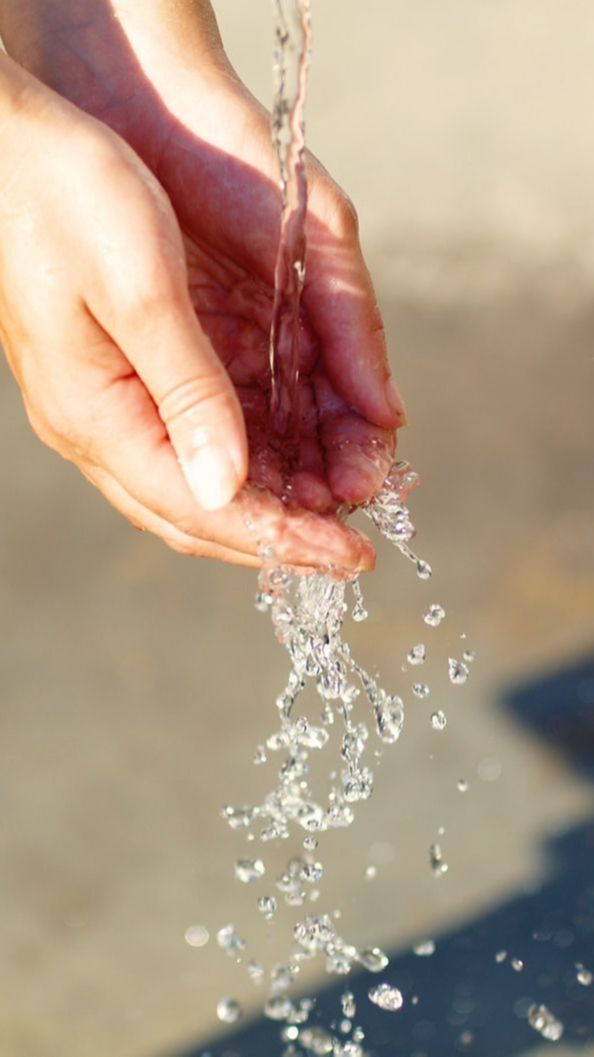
(346,216)
(153,292)
(192,395)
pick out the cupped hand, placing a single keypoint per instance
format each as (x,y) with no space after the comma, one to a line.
(125,333)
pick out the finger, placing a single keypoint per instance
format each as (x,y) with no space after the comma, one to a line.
(154,324)
(144,519)
(130,441)
(358,454)
(342,307)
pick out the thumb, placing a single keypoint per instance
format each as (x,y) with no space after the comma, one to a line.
(165,344)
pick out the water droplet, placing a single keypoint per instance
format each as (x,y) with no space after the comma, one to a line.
(500,956)
(373,959)
(359,611)
(310,843)
(238,818)
(196,936)
(469,656)
(389,718)
(458,672)
(421,690)
(436,860)
(434,615)
(348,1004)
(229,1010)
(248,871)
(370,873)
(517,965)
(417,654)
(424,949)
(267,906)
(424,570)
(312,872)
(545,1023)
(260,756)
(462,785)
(316,1040)
(281,979)
(278,1008)
(255,972)
(386,997)
(583,976)
(263,601)
(439,720)
(228,939)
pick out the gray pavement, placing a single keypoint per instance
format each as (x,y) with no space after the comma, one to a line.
(135,684)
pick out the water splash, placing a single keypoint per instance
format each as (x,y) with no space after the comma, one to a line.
(386,997)
(357,717)
(545,1023)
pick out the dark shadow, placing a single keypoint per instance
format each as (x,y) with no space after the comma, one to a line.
(469,1002)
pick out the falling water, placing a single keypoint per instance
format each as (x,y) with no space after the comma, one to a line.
(308,615)
(293,42)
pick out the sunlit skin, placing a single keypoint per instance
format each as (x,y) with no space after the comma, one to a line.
(139,220)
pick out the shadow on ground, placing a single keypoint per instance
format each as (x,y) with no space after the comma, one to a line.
(468,1002)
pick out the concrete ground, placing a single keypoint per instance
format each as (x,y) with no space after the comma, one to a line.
(135,684)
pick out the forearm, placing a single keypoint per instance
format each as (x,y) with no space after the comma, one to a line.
(30,28)
(22,97)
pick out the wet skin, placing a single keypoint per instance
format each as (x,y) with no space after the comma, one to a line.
(137,251)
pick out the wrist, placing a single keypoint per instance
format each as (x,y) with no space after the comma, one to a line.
(34,31)
(98,52)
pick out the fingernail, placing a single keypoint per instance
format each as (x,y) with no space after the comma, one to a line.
(212,476)
(394,401)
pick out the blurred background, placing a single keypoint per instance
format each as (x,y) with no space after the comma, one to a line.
(136,684)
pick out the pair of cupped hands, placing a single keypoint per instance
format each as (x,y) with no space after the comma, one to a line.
(139,224)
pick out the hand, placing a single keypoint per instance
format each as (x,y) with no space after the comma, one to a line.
(219,171)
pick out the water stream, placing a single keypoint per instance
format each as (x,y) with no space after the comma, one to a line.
(291,63)
(353,719)
(308,615)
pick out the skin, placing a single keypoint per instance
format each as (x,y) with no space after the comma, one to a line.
(139,220)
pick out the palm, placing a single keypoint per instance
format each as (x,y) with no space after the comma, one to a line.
(229,212)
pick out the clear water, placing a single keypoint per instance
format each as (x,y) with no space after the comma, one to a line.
(291,62)
(386,997)
(545,1023)
(330,705)
(354,717)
